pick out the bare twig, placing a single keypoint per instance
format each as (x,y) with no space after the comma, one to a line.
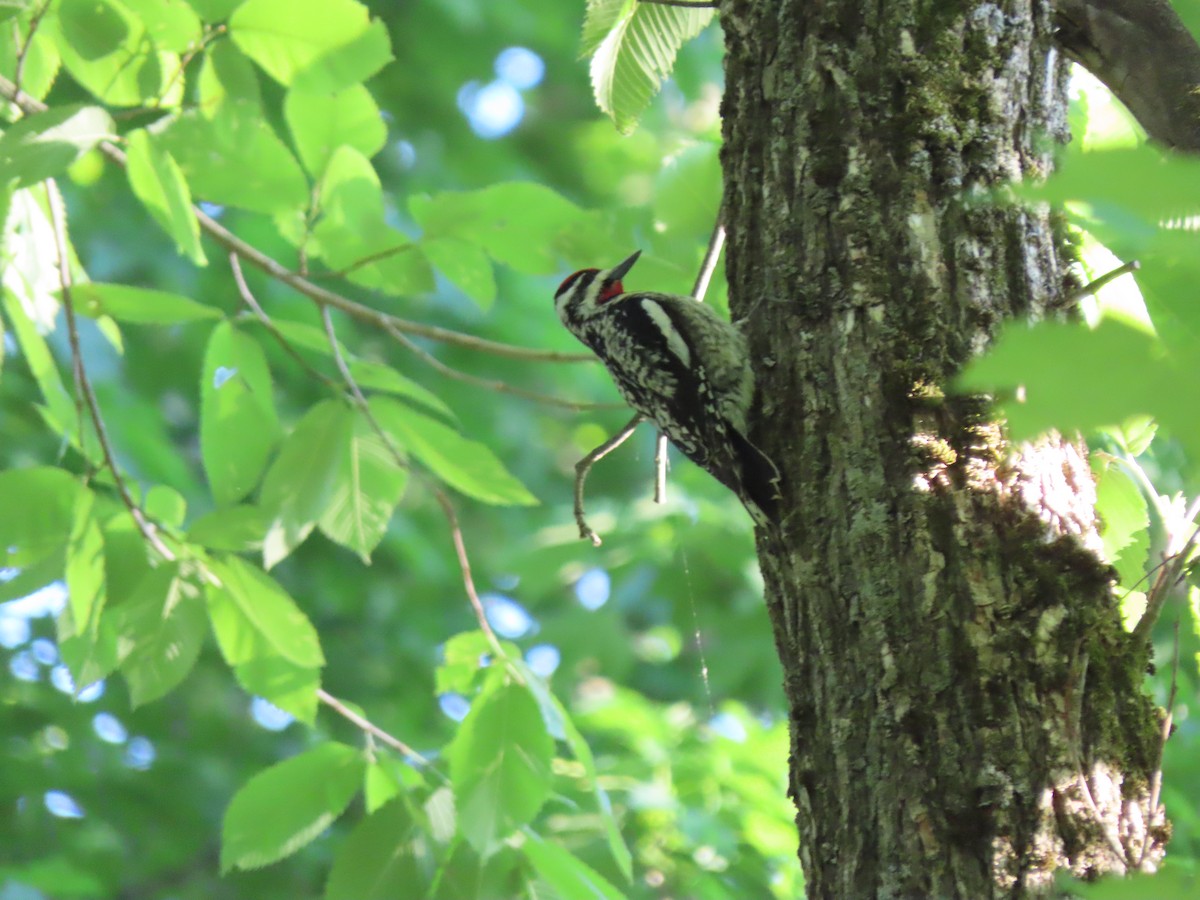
(232,243)
(265,320)
(374,730)
(584,466)
(488,383)
(1107,278)
(1168,578)
(84,385)
(660,468)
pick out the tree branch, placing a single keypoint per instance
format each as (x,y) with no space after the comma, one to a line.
(1145,55)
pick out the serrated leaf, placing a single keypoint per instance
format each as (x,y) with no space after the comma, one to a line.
(227,77)
(158,182)
(40,55)
(382,859)
(630,63)
(463,657)
(160,630)
(601,17)
(369,484)
(322,122)
(238,423)
(466,266)
(500,766)
(465,465)
(287,36)
(45,144)
(303,479)
(283,808)
(138,305)
(87,644)
(269,611)
(567,874)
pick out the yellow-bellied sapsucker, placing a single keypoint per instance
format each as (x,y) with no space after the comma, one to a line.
(683,367)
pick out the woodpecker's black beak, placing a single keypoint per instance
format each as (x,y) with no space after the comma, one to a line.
(619,272)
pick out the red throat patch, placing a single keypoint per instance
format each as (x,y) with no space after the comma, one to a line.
(611,291)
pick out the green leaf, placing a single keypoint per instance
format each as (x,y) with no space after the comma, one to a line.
(40,509)
(353,235)
(384,858)
(466,266)
(105,48)
(269,611)
(566,874)
(259,666)
(45,144)
(1074,378)
(557,720)
(500,766)
(463,658)
(301,484)
(1126,517)
(322,122)
(166,505)
(519,224)
(86,642)
(138,305)
(286,36)
(688,191)
(230,155)
(227,77)
(349,64)
(171,24)
(601,17)
(160,630)
(465,465)
(214,10)
(283,808)
(158,182)
(369,483)
(236,528)
(238,423)
(41,58)
(630,63)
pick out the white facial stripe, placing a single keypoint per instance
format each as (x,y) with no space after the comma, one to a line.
(675,342)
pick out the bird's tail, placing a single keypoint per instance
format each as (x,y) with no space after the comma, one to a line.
(759,480)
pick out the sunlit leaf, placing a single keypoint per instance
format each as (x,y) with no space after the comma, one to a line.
(322,122)
(500,766)
(171,24)
(158,182)
(139,305)
(630,63)
(283,808)
(40,504)
(287,36)
(238,423)
(348,64)
(466,465)
(567,874)
(303,481)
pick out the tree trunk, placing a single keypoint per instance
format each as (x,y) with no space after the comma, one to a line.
(966,709)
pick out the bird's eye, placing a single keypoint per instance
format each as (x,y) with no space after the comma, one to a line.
(571,279)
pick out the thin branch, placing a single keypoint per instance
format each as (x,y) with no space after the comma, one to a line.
(232,243)
(584,466)
(365,261)
(490,384)
(1168,578)
(84,385)
(660,468)
(374,730)
(1107,278)
(265,320)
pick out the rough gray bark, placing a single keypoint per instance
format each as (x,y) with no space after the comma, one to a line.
(966,709)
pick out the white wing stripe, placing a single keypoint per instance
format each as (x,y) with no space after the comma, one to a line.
(675,342)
